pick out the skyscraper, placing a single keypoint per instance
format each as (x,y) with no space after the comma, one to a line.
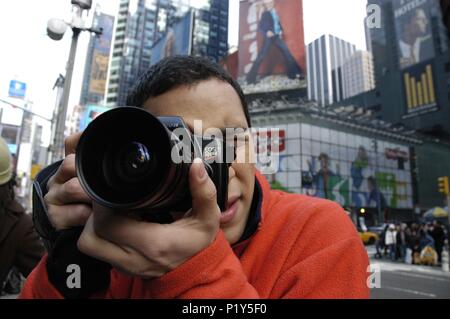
(141,23)
(357,74)
(412,65)
(324,56)
(97,60)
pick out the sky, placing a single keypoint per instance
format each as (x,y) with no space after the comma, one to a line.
(28,55)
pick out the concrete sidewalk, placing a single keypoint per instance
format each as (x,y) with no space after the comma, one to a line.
(388,265)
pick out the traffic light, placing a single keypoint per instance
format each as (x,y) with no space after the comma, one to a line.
(443,185)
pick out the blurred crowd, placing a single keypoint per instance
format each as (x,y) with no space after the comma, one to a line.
(413,244)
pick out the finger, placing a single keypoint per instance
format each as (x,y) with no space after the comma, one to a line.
(68,216)
(93,245)
(70,192)
(65,171)
(71,142)
(125,231)
(122,258)
(204,193)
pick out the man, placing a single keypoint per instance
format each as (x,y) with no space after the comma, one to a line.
(321,179)
(375,197)
(267,244)
(438,235)
(20,246)
(272,31)
(416,43)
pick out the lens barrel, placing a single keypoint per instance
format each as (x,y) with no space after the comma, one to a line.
(123,162)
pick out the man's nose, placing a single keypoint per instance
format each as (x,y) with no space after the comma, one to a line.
(231,173)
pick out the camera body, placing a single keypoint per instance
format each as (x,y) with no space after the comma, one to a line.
(129,160)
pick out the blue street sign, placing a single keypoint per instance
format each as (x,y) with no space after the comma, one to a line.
(17,89)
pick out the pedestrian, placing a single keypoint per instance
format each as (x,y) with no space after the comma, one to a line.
(390,241)
(380,245)
(425,239)
(20,246)
(402,240)
(414,243)
(439,237)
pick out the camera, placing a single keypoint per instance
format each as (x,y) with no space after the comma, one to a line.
(130,160)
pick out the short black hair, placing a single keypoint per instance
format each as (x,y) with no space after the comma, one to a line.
(176,71)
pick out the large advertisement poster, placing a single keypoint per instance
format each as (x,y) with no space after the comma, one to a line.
(352,170)
(176,41)
(100,57)
(271,45)
(413,26)
(99,73)
(419,90)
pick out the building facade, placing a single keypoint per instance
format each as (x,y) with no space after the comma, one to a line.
(324,56)
(412,66)
(354,163)
(358,74)
(141,23)
(97,61)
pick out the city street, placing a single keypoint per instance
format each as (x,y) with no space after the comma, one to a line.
(125,111)
(401,281)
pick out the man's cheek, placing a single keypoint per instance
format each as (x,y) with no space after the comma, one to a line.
(245,154)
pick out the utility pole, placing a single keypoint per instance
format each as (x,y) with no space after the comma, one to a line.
(55,30)
(62,114)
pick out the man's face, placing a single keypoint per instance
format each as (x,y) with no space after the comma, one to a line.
(324,162)
(269,4)
(420,23)
(217,105)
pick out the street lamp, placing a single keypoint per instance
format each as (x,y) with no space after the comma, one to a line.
(56,29)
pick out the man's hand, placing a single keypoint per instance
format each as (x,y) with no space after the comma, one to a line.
(68,205)
(270,34)
(150,250)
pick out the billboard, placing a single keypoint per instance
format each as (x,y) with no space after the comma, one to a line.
(414,34)
(99,73)
(92,111)
(346,168)
(100,57)
(271,45)
(17,89)
(103,43)
(419,90)
(176,41)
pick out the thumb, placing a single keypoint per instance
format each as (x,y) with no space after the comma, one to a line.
(204,193)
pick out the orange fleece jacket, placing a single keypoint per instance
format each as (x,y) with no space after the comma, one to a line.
(304,247)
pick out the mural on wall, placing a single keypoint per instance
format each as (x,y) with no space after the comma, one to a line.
(346,168)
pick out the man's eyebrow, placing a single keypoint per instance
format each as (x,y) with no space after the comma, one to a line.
(237,130)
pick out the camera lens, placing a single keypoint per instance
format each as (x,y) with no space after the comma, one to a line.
(134,162)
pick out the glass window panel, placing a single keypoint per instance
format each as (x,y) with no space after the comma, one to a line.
(342,138)
(334,137)
(315,148)
(325,135)
(315,133)
(293,146)
(294,179)
(293,130)
(306,147)
(334,152)
(306,131)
